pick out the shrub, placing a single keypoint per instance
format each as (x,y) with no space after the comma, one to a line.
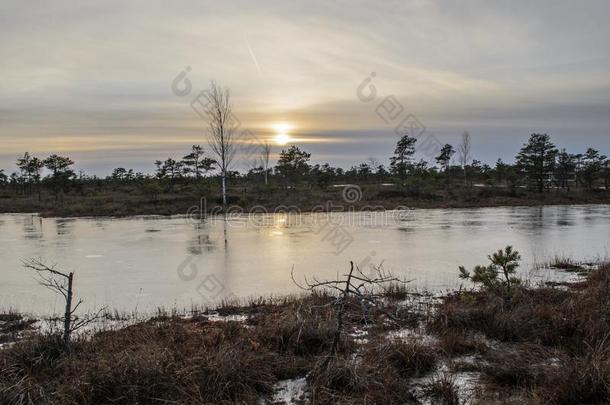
(309,334)
(343,381)
(505,261)
(442,389)
(408,358)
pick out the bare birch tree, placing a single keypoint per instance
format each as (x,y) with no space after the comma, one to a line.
(221,127)
(464,153)
(264,158)
(464,149)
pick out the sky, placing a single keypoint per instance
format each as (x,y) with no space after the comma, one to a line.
(100,81)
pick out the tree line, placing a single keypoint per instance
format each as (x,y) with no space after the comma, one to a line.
(539,165)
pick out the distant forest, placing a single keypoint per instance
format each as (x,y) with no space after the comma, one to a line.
(539,166)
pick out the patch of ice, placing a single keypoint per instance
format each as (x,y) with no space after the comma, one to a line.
(420,303)
(55,325)
(359,336)
(215,317)
(290,392)
(418,334)
(465,383)
(6,345)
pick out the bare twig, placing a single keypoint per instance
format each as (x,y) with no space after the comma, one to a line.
(60,282)
(354,284)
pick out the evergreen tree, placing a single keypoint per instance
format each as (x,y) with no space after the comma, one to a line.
(537,159)
(3,179)
(566,166)
(293,164)
(170,170)
(403,155)
(444,157)
(606,173)
(592,166)
(61,173)
(196,163)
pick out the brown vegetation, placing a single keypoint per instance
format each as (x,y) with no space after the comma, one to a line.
(551,344)
(195,360)
(13,326)
(129,202)
(530,345)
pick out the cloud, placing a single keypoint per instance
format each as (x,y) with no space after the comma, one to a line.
(97,75)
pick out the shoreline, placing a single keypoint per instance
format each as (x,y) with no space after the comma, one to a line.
(183,215)
(178,207)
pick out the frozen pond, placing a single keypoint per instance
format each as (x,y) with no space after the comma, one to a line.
(142,263)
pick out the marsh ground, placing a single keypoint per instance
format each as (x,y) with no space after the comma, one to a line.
(536,344)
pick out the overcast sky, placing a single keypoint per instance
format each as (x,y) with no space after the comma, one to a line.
(93,80)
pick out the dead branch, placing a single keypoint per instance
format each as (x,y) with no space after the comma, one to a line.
(60,282)
(366,289)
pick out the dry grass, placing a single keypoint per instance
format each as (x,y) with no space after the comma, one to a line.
(347,381)
(565,263)
(442,389)
(459,342)
(378,375)
(408,358)
(532,346)
(197,361)
(13,326)
(134,200)
(554,344)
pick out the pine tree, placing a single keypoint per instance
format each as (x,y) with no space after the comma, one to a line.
(403,155)
(537,159)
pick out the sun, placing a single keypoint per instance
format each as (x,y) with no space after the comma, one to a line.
(281,139)
(281,133)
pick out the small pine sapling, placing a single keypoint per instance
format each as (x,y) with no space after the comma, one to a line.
(504,263)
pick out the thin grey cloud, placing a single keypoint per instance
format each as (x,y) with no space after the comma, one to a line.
(102,69)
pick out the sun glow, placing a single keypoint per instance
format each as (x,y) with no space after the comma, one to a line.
(281,139)
(281,133)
